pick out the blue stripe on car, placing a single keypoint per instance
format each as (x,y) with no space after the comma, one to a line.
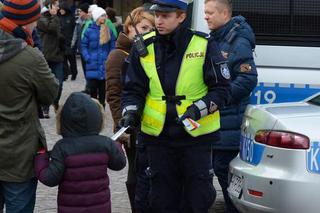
(266,93)
(313,158)
(250,151)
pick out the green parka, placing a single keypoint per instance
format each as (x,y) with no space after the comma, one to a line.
(25,82)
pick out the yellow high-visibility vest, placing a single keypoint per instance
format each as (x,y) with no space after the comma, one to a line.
(190,84)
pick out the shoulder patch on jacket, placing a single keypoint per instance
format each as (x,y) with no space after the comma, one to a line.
(225,71)
(245,68)
(225,54)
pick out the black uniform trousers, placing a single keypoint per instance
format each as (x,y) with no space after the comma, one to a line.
(181,178)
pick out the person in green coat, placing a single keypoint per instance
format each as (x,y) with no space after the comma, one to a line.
(26,82)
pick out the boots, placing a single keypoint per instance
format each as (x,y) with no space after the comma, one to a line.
(131,189)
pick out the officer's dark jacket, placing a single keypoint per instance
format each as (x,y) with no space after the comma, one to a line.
(169,51)
(237,41)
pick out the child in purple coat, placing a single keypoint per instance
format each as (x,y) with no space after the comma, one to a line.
(78,163)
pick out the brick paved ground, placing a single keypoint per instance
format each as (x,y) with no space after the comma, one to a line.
(46,197)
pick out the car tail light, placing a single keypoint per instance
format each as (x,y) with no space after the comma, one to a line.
(255,193)
(282,139)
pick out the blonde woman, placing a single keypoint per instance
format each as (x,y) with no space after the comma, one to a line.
(144,23)
(96,45)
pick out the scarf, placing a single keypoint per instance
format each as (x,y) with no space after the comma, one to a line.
(15,30)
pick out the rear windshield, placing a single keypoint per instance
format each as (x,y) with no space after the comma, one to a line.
(315,100)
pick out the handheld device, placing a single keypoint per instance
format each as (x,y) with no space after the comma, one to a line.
(119,133)
(138,40)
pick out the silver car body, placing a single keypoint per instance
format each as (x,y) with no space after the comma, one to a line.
(289,179)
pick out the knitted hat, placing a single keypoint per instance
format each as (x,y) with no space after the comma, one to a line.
(97,13)
(21,12)
(91,7)
(84,7)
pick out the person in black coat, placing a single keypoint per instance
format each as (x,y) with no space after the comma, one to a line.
(67,21)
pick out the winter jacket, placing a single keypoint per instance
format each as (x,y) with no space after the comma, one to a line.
(67,22)
(52,41)
(108,23)
(26,82)
(95,54)
(79,162)
(169,53)
(237,42)
(114,67)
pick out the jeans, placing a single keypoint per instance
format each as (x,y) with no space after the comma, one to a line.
(57,70)
(221,160)
(19,197)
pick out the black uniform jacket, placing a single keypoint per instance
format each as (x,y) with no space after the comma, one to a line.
(169,51)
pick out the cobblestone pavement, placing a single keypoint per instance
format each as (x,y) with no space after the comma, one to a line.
(46,197)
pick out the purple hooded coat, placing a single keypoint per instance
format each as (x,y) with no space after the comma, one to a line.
(78,163)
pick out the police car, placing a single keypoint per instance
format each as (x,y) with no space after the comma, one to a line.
(288,46)
(278,167)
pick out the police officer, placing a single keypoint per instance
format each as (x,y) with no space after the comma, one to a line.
(181,75)
(236,40)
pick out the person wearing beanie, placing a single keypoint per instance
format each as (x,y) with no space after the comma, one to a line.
(97,13)
(53,45)
(84,7)
(172,94)
(26,82)
(108,22)
(12,22)
(96,44)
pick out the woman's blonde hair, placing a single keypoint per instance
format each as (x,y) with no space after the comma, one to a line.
(138,15)
(101,109)
(104,34)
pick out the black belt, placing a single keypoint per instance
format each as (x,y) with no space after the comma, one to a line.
(174,99)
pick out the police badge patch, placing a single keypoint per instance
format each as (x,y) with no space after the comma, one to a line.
(213,107)
(225,71)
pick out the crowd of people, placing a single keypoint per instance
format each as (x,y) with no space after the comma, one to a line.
(181,94)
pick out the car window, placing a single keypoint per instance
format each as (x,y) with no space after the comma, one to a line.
(315,100)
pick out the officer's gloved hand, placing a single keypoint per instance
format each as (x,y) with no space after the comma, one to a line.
(192,112)
(130,118)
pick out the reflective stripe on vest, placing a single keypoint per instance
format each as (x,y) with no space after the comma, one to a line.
(190,83)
